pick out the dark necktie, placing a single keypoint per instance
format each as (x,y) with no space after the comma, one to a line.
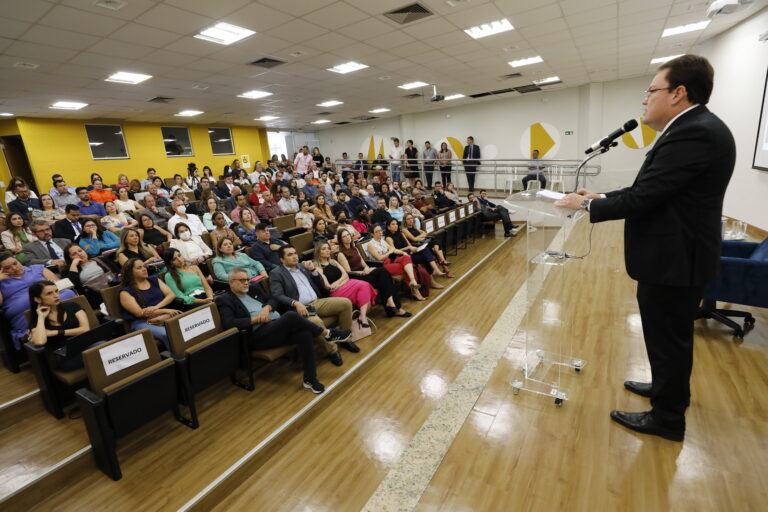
(76,227)
(51,252)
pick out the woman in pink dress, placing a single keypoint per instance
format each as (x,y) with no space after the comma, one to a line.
(337,281)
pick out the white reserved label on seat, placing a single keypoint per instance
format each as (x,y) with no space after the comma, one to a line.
(462,213)
(441,221)
(452,216)
(196,324)
(429,226)
(123,354)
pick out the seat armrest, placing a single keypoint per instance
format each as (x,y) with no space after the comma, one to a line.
(734,249)
(89,396)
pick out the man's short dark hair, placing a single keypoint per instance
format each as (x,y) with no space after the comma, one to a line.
(20,185)
(695,73)
(261,226)
(71,208)
(56,177)
(78,189)
(282,250)
(395,140)
(471,138)
(238,196)
(482,190)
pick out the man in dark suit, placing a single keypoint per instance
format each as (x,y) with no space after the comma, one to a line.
(671,232)
(225,189)
(46,250)
(471,158)
(300,287)
(69,227)
(248,308)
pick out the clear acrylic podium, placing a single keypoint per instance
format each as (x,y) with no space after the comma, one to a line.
(551,310)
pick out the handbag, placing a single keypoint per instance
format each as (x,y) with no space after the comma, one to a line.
(358,331)
(105,280)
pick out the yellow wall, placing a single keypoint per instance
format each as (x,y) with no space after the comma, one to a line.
(61,146)
(7,127)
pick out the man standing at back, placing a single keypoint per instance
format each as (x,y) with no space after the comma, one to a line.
(471,158)
(671,232)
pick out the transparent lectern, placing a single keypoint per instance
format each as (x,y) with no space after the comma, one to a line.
(551,309)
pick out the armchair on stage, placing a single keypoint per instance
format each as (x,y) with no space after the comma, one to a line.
(743,280)
(552,317)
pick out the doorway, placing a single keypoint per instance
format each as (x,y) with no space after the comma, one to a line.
(18,163)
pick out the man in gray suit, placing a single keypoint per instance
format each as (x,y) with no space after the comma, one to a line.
(46,250)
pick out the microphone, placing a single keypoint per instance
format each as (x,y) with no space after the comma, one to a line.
(604,143)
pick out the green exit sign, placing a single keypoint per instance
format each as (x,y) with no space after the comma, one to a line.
(569,132)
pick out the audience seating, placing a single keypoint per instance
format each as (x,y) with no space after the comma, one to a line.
(204,353)
(287,226)
(217,285)
(136,386)
(304,244)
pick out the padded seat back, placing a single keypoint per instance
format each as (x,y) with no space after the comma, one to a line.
(111,298)
(189,329)
(120,360)
(303,242)
(284,222)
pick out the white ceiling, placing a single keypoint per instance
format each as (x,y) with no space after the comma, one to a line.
(77,44)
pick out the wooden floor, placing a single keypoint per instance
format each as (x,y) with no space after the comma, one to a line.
(514,452)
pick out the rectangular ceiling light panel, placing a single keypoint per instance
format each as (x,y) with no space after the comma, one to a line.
(489,29)
(224,33)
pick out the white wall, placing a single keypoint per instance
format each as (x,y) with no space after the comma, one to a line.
(499,127)
(740,63)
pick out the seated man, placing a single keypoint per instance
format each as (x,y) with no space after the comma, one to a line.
(46,250)
(240,205)
(268,209)
(269,329)
(193,222)
(380,214)
(300,287)
(69,227)
(159,216)
(264,250)
(492,212)
(231,202)
(441,200)
(89,209)
(24,203)
(287,204)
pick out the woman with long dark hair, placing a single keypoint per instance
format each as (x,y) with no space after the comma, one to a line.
(81,269)
(17,236)
(186,281)
(423,257)
(94,240)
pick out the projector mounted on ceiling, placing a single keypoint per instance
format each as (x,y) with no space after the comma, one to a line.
(726,7)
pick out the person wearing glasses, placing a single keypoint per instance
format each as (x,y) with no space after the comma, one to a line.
(46,250)
(671,233)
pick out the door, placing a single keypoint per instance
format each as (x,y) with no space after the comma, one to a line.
(18,163)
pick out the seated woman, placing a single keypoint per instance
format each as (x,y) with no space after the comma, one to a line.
(321,209)
(395,210)
(262,185)
(100,194)
(246,231)
(125,204)
(131,246)
(396,262)
(133,189)
(424,257)
(122,182)
(362,222)
(52,322)
(241,179)
(350,260)
(186,281)
(228,259)
(151,234)
(48,211)
(409,208)
(143,299)
(192,248)
(162,189)
(416,237)
(115,221)
(304,218)
(95,240)
(343,222)
(338,283)
(450,192)
(15,280)
(179,184)
(82,271)
(322,233)
(211,207)
(17,236)
(221,231)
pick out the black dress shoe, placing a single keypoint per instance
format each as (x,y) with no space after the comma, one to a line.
(644,423)
(336,358)
(639,388)
(350,345)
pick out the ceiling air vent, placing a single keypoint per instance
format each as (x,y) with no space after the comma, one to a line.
(267,62)
(492,93)
(511,75)
(408,13)
(343,122)
(523,89)
(412,96)
(112,5)
(502,91)
(160,99)
(479,95)
(365,118)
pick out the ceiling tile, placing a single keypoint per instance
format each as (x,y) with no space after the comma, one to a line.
(571,7)
(331,41)
(56,37)
(476,15)
(297,7)
(13,29)
(193,46)
(430,27)
(34,51)
(297,31)
(169,58)
(121,49)
(28,10)
(336,16)
(129,11)
(449,39)
(81,21)
(364,29)
(387,41)
(133,32)
(358,52)
(175,20)
(258,17)
(217,9)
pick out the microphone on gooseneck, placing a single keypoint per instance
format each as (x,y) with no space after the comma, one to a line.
(606,142)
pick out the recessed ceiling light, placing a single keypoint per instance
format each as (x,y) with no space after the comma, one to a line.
(5,114)
(330,103)
(661,60)
(222,140)
(68,105)
(95,143)
(412,85)
(297,53)
(124,77)
(266,118)
(254,95)
(525,62)
(385,77)
(489,29)
(321,121)
(26,65)
(189,113)
(454,97)
(347,67)
(200,87)
(379,110)
(224,33)
(548,80)
(682,29)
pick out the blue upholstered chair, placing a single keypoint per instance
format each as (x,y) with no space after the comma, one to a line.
(743,280)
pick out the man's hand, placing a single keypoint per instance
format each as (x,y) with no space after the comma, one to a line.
(58,263)
(262,317)
(309,265)
(300,308)
(571,202)
(586,193)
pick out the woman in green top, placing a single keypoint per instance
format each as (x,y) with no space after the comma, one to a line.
(186,281)
(228,259)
